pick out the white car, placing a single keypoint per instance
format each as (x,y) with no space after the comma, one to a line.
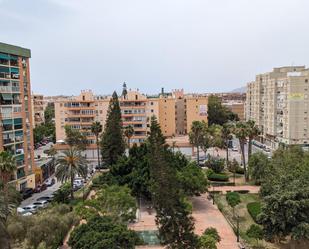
(40,204)
(234,148)
(31,208)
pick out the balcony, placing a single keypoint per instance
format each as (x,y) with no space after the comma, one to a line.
(20,173)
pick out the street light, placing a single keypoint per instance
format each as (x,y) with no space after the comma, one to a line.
(213,194)
(237,222)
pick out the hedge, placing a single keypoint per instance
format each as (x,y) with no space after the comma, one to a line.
(218,177)
(242,191)
(254,209)
(217,184)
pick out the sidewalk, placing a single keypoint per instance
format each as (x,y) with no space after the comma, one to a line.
(252,189)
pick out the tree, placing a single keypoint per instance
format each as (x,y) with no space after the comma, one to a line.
(96,129)
(252,132)
(285,195)
(217,113)
(240,131)
(255,232)
(70,164)
(196,135)
(52,152)
(226,135)
(207,242)
(7,168)
(258,166)
(129,132)
(233,199)
(49,114)
(104,233)
(192,179)
(112,144)
(74,138)
(211,231)
(174,220)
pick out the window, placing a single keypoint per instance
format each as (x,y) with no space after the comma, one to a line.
(151,103)
(306,80)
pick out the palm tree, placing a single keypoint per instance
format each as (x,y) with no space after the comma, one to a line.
(253,131)
(52,152)
(7,168)
(129,132)
(96,129)
(196,134)
(226,135)
(69,164)
(241,132)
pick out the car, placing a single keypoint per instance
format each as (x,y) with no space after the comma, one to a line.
(40,204)
(267,149)
(50,182)
(45,198)
(31,208)
(40,188)
(234,148)
(26,193)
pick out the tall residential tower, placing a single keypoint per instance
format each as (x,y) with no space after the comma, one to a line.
(15,113)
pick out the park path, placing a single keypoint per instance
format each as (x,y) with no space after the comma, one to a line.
(208,215)
(205,214)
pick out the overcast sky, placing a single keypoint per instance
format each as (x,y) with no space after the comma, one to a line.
(198,45)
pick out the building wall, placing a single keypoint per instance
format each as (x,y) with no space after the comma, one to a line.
(37,109)
(167,116)
(195,110)
(236,107)
(16,112)
(278,102)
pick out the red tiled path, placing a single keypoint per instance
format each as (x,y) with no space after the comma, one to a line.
(208,215)
(205,215)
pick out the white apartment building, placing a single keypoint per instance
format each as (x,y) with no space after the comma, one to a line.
(278,102)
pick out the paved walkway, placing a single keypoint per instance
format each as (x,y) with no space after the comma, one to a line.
(207,215)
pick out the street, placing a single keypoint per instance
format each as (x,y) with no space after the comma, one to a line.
(35,196)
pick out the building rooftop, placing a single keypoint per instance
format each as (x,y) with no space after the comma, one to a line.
(15,50)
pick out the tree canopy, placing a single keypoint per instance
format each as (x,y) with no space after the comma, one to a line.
(112,142)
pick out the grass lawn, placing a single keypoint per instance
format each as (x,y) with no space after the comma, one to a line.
(245,220)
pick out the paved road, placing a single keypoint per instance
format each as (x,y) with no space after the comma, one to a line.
(46,192)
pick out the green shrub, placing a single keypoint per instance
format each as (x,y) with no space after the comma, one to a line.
(216,164)
(232,198)
(242,191)
(211,231)
(218,177)
(254,209)
(255,232)
(218,184)
(240,170)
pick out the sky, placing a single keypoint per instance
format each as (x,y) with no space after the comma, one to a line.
(198,45)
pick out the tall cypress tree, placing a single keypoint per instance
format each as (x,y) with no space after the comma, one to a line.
(174,220)
(112,143)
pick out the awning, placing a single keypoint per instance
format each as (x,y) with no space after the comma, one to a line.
(4,56)
(4,69)
(7,121)
(14,70)
(6,96)
(18,121)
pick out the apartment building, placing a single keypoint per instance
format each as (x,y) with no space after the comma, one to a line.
(175,112)
(237,107)
(278,102)
(16,113)
(37,101)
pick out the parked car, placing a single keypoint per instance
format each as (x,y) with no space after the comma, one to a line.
(40,188)
(26,193)
(31,208)
(45,198)
(41,204)
(50,182)
(234,148)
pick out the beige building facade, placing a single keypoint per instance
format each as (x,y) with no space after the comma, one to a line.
(278,102)
(16,113)
(37,101)
(175,113)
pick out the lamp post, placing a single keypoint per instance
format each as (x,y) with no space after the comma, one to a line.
(237,223)
(213,194)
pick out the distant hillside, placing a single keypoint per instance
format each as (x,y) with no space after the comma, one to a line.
(240,90)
